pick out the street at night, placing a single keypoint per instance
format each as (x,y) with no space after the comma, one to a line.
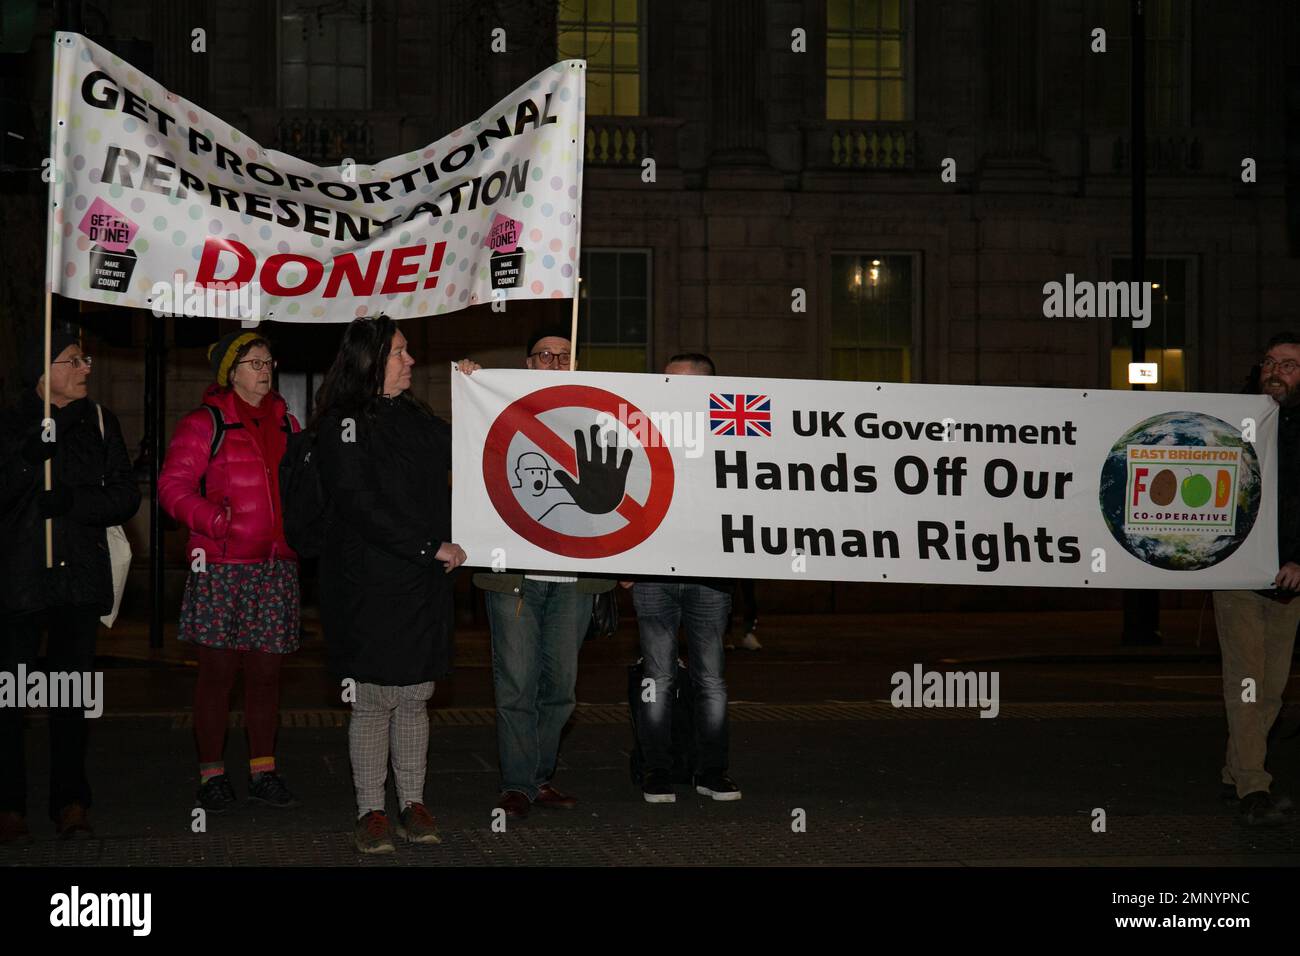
(830,465)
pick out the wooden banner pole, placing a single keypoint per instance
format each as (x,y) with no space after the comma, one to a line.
(45,390)
(573,326)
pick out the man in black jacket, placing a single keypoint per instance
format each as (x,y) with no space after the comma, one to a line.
(92,490)
(1257,628)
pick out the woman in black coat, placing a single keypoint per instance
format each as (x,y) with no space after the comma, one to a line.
(384,462)
(92,489)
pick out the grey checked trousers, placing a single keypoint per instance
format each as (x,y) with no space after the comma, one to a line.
(389,721)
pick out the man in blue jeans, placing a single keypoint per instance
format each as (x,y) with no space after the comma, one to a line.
(703,607)
(538,622)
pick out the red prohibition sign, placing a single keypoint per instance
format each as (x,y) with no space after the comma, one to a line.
(522,416)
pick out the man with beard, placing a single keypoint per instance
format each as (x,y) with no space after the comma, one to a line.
(1257,628)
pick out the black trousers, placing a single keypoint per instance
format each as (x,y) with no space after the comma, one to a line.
(71,647)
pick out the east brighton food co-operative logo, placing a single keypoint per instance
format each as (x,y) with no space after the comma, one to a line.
(1181,491)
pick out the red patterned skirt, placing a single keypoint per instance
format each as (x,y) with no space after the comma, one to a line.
(243,607)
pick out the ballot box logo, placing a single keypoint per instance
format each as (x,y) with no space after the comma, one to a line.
(1181,491)
(110,233)
(507,260)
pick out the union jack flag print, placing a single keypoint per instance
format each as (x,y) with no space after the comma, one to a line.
(746,416)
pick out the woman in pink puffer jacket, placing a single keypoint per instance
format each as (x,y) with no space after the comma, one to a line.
(242,601)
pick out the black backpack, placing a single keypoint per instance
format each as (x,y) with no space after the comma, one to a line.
(302,497)
(219,428)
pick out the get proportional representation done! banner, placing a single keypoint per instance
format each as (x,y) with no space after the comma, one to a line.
(775,478)
(147,184)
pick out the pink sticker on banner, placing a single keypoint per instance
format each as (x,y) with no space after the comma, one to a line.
(105,226)
(504,234)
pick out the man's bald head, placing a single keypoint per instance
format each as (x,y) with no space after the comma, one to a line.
(690,363)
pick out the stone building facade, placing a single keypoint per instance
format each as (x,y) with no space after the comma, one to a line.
(799,150)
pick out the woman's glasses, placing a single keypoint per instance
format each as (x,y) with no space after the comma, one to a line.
(259,364)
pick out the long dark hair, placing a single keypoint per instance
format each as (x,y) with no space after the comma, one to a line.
(355,381)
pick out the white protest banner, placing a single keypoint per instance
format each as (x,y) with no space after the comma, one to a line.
(848,481)
(147,185)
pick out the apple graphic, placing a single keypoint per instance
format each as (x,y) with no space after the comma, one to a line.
(1196,490)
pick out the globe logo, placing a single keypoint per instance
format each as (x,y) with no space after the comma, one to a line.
(1181,491)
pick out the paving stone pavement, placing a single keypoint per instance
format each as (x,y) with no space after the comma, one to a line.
(871,784)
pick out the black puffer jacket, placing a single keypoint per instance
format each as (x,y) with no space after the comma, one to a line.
(98,472)
(386,602)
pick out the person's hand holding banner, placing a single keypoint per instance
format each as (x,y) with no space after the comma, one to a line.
(602,479)
(451,555)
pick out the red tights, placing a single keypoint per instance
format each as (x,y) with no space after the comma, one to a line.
(217,670)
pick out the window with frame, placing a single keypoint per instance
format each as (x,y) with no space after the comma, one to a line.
(866,60)
(607,34)
(1170,339)
(873,316)
(1167,58)
(614,311)
(324,54)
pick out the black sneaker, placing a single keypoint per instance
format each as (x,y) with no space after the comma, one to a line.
(1260,810)
(216,795)
(717,785)
(658,787)
(268,788)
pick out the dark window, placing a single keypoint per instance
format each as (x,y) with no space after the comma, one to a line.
(324,55)
(873,316)
(1170,339)
(607,34)
(614,311)
(866,60)
(1167,36)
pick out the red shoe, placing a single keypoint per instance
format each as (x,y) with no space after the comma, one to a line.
(514,803)
(416,825)
(374,834)
(73,823)
(548,796)
(13,828)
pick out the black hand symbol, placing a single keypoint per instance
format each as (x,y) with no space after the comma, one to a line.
(600,484)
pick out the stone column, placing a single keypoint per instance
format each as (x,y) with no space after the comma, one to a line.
(1011,49)
(175,64)
(736,38)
